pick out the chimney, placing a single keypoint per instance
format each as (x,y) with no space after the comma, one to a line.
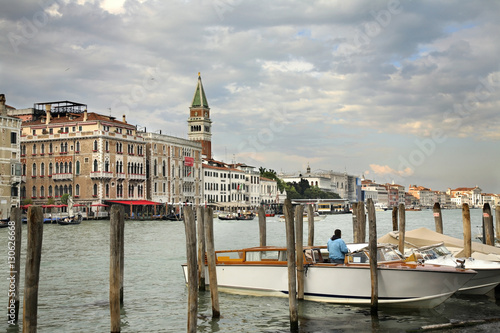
(85,115)
(124,120)
(3,109)
(47,114)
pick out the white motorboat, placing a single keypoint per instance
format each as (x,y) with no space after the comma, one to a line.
(262,271)
(317,217)
(488,272)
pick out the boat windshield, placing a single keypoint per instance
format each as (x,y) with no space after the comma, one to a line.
(435,252)
(383,254)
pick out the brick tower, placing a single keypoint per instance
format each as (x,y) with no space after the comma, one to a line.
(199,123)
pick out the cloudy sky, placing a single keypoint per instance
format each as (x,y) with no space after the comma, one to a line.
(403,91)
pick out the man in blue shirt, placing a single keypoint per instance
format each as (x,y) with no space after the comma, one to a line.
(337,248)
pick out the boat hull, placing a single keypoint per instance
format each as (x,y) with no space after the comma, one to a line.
(346,284)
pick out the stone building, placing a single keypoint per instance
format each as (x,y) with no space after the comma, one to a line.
(10,166)
(91,157)
(174,169)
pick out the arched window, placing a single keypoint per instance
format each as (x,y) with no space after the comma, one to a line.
(33,191)
(95,190)
(42,149)
(50,148)
(163,169)
(42,169)
(107,145)
(70,189)
(77,167)
(107,190)
(95,165)
(61,190)
(34,170)
(77,146)
(24,169)
(34,149)
(77,189)
(70,167)
(56,191)
(95,145)
(66,189)
(50,191)
(23,192)
(42,191)
(61,167)
(155,171)
(106,166)
(50,169)
(65,167)
(57,168)
(65,147)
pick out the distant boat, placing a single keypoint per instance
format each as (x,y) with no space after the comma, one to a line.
(77,219)
(245,217)
(227,217)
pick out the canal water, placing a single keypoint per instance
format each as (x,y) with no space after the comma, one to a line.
(74,281)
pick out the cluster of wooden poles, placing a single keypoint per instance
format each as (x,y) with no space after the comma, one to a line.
(32,269)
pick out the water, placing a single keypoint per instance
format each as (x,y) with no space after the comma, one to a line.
(74,281)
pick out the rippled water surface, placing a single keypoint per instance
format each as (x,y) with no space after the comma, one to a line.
(74,281)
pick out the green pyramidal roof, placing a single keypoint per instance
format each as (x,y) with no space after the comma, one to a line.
(199,98)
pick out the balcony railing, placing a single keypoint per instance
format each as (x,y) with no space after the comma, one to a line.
(101,174)
(62,176)
(121,175)
(134,176)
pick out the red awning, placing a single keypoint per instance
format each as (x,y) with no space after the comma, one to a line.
(134,202)
(99,205)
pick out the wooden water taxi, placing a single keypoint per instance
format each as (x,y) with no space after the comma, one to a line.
(262,271)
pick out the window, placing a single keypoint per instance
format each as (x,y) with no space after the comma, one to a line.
(13,137)
(77,189)
(34,149)
(33,191)
(50,191)
(95,145)
(77,167)
(50,148)
(73,128)
(107,190)
(42,169)
(107,145)
(51,131)
(95,165)
(95,190)
(33,174)
(42,191)
(77,146)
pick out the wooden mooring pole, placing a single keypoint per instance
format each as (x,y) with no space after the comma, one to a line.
(497,221)
(438,218)
(32,271)
(116,234)
(361,218)
(192,271)
(290,250)
(402,226)
(14,262)
(372,225)
(355,229)
(467,230)
(299,241)
(489,234)
(211,260)
(395,218)
(310,225)
(201,247)
(262,226)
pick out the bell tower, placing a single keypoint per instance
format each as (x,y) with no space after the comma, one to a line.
(199,123)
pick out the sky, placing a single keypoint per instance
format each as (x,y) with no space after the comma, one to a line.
(398,91)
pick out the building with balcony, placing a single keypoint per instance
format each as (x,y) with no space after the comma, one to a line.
(10,166)
(92,157)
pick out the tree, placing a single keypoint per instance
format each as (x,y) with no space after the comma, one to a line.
(51,201)
(27,201)
(64,198)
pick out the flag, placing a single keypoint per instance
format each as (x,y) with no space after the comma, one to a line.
(189,173)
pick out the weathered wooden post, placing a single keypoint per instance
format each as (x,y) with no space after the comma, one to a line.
(402,228)
(192,272)
(395,218)
(299,241)
(121,242)
(361,217)
(488,225)
(355,228)
(262,226)
(372,225)
(14,262)
(438,218)
(467,230)
(201,248)
(497,222)
(290,250)
(115,265)
(211,260)
(310,225)
(32,271)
